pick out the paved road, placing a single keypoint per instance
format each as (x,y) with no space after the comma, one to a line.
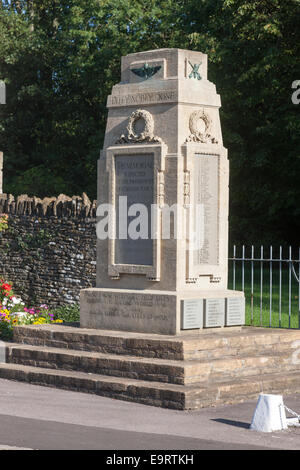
(44,418)
(26,432)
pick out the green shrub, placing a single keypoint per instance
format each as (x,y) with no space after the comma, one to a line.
(67,313)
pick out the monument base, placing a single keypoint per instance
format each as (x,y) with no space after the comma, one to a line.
(160,312)
(184,372)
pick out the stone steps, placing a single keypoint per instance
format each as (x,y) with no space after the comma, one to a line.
(241,389)
(156,393)
(105,341)
(249,341)
(207,344)
(151,393)
(134,367)
(180,372)
(159,370)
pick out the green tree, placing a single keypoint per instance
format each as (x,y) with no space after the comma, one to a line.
(60,59)
(254,50)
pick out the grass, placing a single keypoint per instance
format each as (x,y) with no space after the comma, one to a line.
(258,313)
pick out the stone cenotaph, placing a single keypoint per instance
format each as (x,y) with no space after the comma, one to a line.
(162,229)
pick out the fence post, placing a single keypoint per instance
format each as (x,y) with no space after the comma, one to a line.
(261,280)
(290,285)
(252,284)
(271,285)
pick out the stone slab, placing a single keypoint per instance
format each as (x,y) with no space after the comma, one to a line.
(134,183)
(214,315)
(128,311)
(206,181)
(235,311)
(150,311)
(192,314)
(190,345)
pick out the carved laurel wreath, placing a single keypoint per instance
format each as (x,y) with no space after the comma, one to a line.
(196,135)
(147,135)
(148,131)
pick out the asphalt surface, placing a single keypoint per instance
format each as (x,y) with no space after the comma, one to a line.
(41,418)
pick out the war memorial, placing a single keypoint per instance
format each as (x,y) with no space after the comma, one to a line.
(161,326)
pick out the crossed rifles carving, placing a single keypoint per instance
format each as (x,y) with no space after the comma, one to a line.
(195,71)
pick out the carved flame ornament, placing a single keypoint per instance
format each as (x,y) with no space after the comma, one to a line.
(144,135)
(197,118)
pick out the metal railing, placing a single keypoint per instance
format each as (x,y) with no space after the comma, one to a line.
(270,279)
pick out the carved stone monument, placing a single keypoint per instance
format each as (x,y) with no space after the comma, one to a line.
(163,198)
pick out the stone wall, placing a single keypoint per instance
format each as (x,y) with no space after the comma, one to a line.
(1,171)
(48,251)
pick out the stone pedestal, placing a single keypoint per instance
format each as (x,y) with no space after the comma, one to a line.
(162,312)
(163,199)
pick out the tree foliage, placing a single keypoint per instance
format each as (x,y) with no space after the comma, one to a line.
(60,59)
(254,49)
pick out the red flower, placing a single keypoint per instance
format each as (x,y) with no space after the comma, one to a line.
(6,287)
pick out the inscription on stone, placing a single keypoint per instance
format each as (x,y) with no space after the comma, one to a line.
(206,202)
(134,186)
(235,311)
(214,313)
(142,98)
(132,311)
(191,314)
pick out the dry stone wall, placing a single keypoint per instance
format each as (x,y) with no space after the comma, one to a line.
(48,251)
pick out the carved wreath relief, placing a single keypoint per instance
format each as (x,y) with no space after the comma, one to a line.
(198,134)
(146,131)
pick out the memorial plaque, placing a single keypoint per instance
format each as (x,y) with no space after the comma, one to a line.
(134,184)
(235,311)
(214,313)
(206,201)
(192,314)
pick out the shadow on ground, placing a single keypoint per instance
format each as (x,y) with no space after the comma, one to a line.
(239,424)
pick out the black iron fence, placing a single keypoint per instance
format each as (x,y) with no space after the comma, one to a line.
(270,279)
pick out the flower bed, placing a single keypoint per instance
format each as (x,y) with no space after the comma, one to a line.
(3,222)
(14,312)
